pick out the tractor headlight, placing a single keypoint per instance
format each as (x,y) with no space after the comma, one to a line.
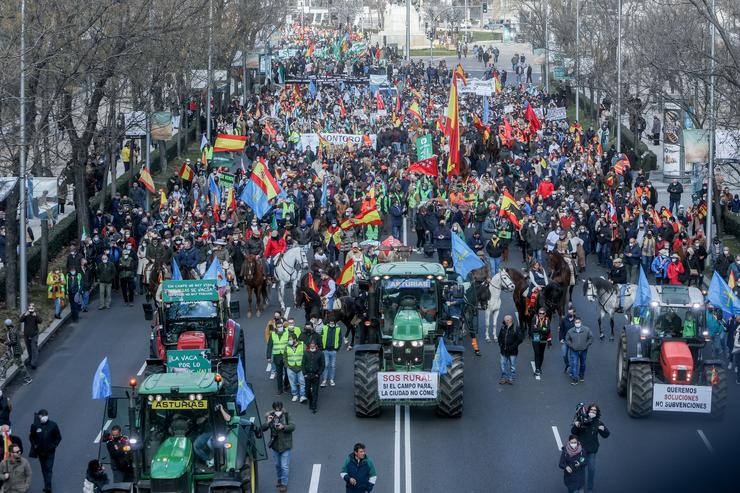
(133,440)
(654,303)
(417,343)
(221,438)
(398,343)
(645,331)
(191,397)
(696,306)
(199,397)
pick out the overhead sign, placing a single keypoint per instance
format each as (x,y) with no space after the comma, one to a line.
(407,283)
(188,360)
(412,385)
(682,398)
(328,79)
(199,290)
(312,140)
(179,405)
(424,148)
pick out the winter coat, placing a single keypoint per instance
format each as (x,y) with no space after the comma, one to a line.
(509,339)
(363,472)
(536,240)
(577,478)
(44,437)
(313,363)
(283,439)
(588,434)
(127,267)
(579,340)
(20,475)
(30,324)
(187,258)
(445,242)
(106,272)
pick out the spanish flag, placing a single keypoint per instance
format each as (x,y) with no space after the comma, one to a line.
(186,172)
(379,101)
(265,181)
(510,210)
(230,202)
(162,199)
(230,143)
(369,218)
(312,283)
(415,111)
(347,276)
(145,178)
(731,281)
(342,109)
(453,123)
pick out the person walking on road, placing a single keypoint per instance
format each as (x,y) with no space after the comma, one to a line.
(15,472)
(313,368)
(95,477)
(565,325)
(13,352)
(509,339)
(31,320)
(276,344)
(358,471)
(331,341)
(106,273)
(587,429)
(45,438)
(539,332)
(573,464)
(74,292)
(293,357)
(121,458)
(281,442)
(126,274)
(6,407)
(578,339)
(675,190)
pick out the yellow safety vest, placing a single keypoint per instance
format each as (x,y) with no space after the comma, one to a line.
(294,355)
(279,342)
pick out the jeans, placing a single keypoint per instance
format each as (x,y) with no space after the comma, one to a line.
(495,263)
(105,288)
(673,206)
(564,352)
(577,363)
(32,345)
(718,349)
(297,383)
(646,263)
(202,446)
(622,292)
(330,304)
(397,232)
(537,254)
(508,367)
(590,471)
(127,289)
(282,463)
(46,461)
(85,295)
(57,306)
(330,365)
(278,366)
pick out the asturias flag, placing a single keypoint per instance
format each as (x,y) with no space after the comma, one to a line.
(442,358)
(244,394)
(216,271)
(721,295)
(644,295)
(464,258)
(176,274)
(101,386)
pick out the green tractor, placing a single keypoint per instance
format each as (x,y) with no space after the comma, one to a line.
(406,318)
(179,439)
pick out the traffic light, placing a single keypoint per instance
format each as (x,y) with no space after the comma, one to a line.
(485,8)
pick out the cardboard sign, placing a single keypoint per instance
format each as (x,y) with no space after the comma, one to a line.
(226,180)
(412,385)
(197,290)
(682,398)
(553,114)
(188,360)
(424,148)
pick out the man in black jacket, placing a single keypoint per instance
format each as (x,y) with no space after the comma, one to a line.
(313,367)
(675,189)
(587,427)
(509,339)
(45,438)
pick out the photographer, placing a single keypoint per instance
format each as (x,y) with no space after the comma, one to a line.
(587,426)
(281,441)
(573,464)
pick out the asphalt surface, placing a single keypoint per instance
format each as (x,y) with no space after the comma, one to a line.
(505,441)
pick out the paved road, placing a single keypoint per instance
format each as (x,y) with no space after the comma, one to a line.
(507,436)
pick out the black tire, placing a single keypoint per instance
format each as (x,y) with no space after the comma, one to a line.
(639,390)
(450,392)
(367,401)
(227,370)
(719,389)
(622,365)
(153,369)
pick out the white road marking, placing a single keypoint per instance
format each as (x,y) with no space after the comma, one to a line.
(534,369)
(706,441)
(397,452)
(313,487)
(100,433)
(141,370)
(407,448)
(558,441)
(287,313)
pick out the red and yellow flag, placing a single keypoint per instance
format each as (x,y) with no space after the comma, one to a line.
(415,111)
(368,218)
(453,123)
(347,276)
(229,143)
(145,178)
(312,283)
(186,172)
(731,281)
(264,179)
(162,199)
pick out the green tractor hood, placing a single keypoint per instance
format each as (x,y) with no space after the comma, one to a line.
(172,459)
(407,325)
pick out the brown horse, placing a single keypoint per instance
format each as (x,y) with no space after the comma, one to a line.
(158,272)
(253,274)
(560,287)
(520,302)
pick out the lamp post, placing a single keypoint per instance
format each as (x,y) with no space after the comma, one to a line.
(712,125)
(547,50)
(408,30)
(22,171)
(619,76)
(578,58)
(210,66)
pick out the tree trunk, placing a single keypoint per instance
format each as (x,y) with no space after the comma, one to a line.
(11,250)
(44,250)
(82,208)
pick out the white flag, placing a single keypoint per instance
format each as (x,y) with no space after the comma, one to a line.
(203,141)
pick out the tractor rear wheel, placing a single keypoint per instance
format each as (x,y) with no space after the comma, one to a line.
(639,390)
(450,391)
(227,370)
(367,401)
(153,369)
(719,389)
(622,365)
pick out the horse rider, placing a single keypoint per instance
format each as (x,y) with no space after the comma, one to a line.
(157,252)
(564,247)
(537,280)
(327,290)
(275,246)
(222,254)
(618,276)
(254,245)
(187,256)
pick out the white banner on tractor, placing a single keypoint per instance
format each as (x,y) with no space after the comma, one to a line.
(412,385)
(682,398)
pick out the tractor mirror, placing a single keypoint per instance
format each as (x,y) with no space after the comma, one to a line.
(111,408)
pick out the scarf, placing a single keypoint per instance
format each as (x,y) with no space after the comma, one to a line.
(573,452)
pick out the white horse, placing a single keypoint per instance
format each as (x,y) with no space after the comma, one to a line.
(288,271)
(607,294)
(498,283)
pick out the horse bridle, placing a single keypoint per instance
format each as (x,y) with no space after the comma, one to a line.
(300,262)
(593,294)
(509,281)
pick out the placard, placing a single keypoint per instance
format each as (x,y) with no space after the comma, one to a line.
(226,180)
(424,149)
(553,114)
(312,140)
(185,291)
(188,360)
(407,386)
(682,398)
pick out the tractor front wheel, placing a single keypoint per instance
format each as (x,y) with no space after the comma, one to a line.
(622,365)
(716,376)
(450,391)
(367,401)
(639,390)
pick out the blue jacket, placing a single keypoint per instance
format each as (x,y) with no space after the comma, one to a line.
(188,258)
(396,216)
(632,254)
(660,266)
(362,471)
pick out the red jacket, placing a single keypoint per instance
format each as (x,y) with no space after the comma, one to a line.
(545,189)
(674,270)
(274,247)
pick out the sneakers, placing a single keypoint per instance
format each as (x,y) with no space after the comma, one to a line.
(477,353)
(574,382)
(274,285)
(272,376)
(346,340)
(295,398)
(502,381)
(331,382)
(510,381)
(303,399)
(349,348)
(323,383)
(27,381)
(537,373)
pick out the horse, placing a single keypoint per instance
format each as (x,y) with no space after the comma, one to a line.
(498,283)
(607,294)
(253,274)
(288,271)
(307,298)
(563,277)
(520,302)
(155,273)
(351,313)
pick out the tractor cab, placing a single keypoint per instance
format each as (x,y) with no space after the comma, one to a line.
(179,439)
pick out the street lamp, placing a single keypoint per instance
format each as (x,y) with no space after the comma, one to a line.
(712,125)
(578,58)
(619,76)
(22,171)
(210,65)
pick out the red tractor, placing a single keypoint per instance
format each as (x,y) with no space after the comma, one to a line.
(661,364)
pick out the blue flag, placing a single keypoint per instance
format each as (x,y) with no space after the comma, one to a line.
(215,271)
(643,296)
(256,198)
(442,358)
(176,275)
(464,258)
(214,191)
(324,193)
(101,386)
(312,89)
(244,394)
(721,295)
(485,110)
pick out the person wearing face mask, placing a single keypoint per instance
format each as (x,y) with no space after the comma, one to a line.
(13,354)
(126,273)
(281,441)
(313,367)
(722,263)
(119,451)
(587,429)
(578,339)
(293,357)
(15,472)
(573,464)
(675,270)
(276,345)
(45,438)
(106,272)
(735,267)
